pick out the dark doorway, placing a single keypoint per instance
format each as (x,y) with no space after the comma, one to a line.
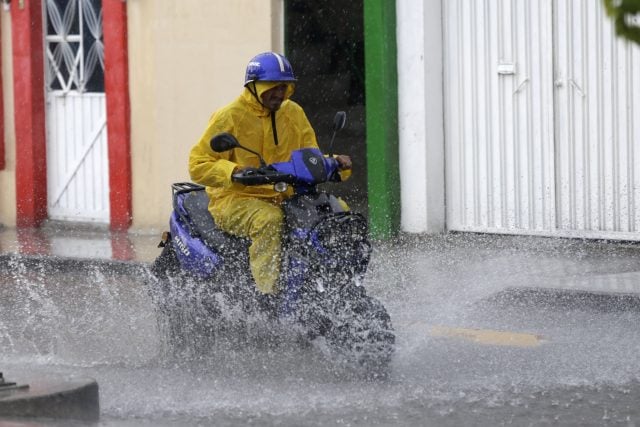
(325,44)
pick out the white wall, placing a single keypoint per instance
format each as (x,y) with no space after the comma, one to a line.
(420,115)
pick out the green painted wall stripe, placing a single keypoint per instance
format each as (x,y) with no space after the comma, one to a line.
(381,91)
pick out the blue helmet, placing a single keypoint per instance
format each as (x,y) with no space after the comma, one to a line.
(269,67)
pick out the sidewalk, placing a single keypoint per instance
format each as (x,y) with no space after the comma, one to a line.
(84,242)
(547,263)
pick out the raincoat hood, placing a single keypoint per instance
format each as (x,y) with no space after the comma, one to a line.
(262,87)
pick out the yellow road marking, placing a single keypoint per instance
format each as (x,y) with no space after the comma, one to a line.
(489,337)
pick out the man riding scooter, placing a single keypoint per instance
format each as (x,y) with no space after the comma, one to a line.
(265,120)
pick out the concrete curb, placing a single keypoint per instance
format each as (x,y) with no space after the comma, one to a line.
(72,264)
(58,398)
(73,399)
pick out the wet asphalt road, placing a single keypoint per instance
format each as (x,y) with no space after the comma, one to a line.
(491,330)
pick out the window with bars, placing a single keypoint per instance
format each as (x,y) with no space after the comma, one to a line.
(74,46)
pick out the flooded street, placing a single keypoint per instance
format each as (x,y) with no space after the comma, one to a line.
(491,330)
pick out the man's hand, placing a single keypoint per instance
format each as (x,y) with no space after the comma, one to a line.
(344,161)
(244,169)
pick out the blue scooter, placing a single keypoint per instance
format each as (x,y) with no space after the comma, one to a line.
(326,252)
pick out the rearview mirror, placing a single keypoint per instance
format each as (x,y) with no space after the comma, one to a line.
(223,142)
(339,121)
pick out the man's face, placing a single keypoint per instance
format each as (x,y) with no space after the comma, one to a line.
(273,98)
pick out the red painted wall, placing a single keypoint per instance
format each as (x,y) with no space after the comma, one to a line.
(2,153)
(116,83)
(28,81)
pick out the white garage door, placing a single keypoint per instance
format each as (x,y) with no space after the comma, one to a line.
(542,130)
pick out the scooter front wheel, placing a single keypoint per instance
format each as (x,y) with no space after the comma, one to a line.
(361,334)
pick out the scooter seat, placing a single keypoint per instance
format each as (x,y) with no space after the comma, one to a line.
(196,203)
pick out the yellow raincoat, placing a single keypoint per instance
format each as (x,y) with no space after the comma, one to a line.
(251,211)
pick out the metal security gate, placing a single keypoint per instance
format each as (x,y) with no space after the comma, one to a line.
(597,82)
(77,163)
(540,129)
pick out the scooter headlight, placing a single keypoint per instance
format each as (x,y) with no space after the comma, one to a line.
(280,187)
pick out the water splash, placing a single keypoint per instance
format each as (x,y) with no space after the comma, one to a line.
(101,322)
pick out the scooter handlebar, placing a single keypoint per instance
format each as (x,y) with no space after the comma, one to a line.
(307,167)
(260,176)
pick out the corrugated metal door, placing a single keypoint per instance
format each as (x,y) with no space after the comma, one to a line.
(529,149)
(597,79)
(77,162)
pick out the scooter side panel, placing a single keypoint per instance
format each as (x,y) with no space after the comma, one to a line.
(194,256)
